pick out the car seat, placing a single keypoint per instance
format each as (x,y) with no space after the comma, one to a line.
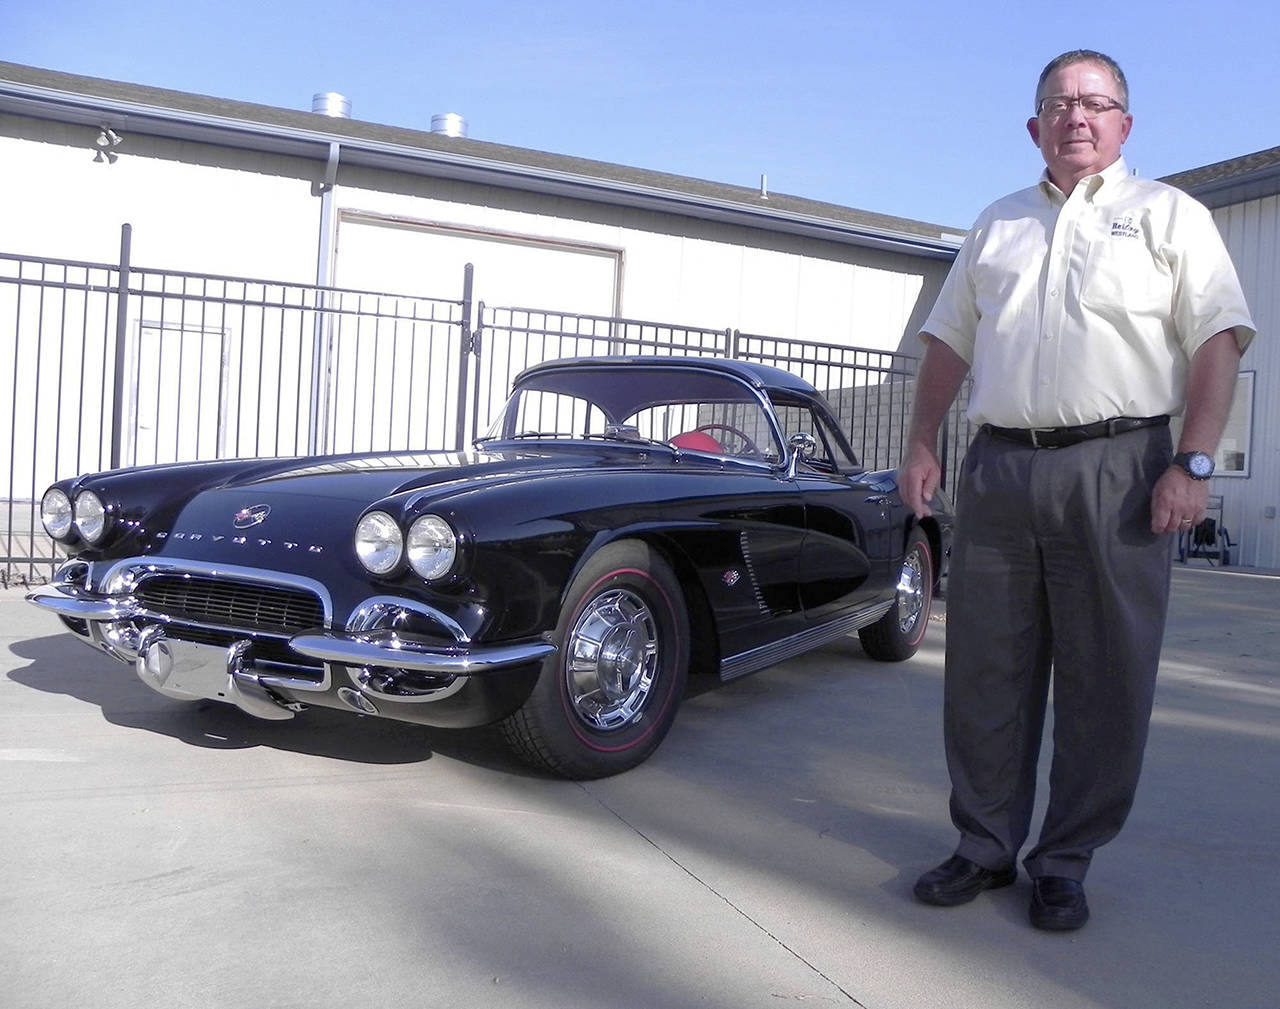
(697,441)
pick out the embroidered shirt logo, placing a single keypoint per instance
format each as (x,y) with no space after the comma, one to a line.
(1123,227)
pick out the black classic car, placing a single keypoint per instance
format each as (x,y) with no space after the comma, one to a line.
(625,522)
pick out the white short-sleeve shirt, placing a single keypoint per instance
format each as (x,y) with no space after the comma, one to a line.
(1071,310)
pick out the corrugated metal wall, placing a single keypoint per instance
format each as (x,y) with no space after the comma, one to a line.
(1251,505)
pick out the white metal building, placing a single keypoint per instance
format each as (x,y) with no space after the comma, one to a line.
(247,190)
(1244,195)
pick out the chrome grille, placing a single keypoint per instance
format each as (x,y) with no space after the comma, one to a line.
(230,603)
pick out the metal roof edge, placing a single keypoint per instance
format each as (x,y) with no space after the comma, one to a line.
(1228,182)
(1253,185)
(37,101)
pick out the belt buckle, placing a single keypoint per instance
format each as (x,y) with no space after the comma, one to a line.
(1035,442)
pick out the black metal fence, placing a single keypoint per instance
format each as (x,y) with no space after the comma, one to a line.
(872,391)
(110,365)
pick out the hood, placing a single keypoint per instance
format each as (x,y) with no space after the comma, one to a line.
(368,478)
(278,514)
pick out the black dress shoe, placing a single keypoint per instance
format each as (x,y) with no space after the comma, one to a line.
(958,881)
(1058,904)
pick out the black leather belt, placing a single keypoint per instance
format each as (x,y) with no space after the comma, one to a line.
(1060,437)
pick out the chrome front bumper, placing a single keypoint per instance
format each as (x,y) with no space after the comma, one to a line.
(379,662)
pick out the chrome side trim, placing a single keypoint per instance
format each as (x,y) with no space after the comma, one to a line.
(744,545)
(733,666)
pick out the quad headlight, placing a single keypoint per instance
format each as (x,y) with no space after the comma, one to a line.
(379,542)
(433,545)
(56,513)
(90,517)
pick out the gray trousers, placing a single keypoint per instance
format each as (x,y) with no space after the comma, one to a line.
(1054,568)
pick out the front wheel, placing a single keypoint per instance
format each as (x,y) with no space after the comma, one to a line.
(898,634)
(608,696)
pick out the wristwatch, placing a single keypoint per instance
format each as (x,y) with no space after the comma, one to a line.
(1197,465)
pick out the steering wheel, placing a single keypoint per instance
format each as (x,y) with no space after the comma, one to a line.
(748,446)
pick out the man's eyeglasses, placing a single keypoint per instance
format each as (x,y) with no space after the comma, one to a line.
(1091,106)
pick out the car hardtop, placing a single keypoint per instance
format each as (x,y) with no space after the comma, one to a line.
(628,384)
(649,381)
(759,376)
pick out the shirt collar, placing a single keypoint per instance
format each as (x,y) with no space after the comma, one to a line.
(1111,176)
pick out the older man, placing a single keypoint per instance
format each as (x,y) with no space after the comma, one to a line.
(1089,308)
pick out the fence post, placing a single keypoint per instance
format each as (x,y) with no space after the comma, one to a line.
(731,342)
(946,447)
(477,344)
(122,330)
(318,422)
(464,358)
(318,408)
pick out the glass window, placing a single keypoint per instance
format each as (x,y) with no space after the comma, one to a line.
(832,454)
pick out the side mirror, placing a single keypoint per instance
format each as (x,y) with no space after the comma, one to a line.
(803,446)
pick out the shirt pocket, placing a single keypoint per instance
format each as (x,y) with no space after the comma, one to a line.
(1005,294)
(1122,277)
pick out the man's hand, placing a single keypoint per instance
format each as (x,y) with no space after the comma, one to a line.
(941,373)
(918,478)
(1211,384)
(1175,499)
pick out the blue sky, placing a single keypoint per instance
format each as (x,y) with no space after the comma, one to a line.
(911,109)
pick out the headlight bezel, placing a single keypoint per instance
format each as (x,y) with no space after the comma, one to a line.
(66,508)
(431,547)
(91,517)
(386,525)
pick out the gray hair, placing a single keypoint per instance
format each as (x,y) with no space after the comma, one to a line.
(1086,56)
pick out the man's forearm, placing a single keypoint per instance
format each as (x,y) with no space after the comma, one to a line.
(941,373)
(1211,386)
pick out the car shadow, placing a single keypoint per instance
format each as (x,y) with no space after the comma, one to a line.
(57,665)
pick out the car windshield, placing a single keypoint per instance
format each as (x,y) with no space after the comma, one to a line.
(688,409)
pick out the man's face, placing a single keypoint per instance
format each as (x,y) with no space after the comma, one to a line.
(1072,144)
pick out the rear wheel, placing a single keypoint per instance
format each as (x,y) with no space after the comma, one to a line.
(608,696)
(898,634)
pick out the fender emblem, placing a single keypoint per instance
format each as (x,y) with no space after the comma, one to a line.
(254,515)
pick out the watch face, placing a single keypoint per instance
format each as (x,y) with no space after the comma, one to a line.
(1200,465)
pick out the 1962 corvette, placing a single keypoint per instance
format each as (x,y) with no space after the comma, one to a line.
(625,522)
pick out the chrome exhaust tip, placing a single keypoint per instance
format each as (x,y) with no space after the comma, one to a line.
(352,698)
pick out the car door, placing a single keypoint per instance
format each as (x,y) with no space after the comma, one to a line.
(846,553)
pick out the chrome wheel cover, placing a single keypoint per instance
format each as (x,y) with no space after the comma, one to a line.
(612,660)
(912,591)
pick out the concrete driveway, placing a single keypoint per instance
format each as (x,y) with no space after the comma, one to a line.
(154,853)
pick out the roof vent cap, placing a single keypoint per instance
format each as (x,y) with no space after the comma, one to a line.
(330,103)
(449,124)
